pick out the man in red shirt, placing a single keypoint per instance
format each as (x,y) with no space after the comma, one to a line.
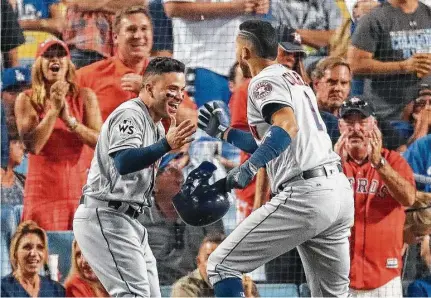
(383,185)
(118,78)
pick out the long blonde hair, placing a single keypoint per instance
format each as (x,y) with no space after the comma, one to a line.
(25,228)
(38,82)
(97,287)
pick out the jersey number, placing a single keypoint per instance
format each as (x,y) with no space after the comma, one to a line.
(313,111)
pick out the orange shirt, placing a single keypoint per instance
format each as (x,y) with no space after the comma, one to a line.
(77,287)
(104,78)
(238,109)
(377,235)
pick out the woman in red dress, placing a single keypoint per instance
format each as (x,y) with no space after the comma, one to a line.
(56,120)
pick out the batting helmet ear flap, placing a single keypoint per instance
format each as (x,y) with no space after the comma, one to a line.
(198,203)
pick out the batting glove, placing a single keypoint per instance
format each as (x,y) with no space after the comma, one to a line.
(241,176)
(213,119)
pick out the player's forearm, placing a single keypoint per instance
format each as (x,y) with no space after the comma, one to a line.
(135,159)
(262,188)
(36,139)
(399,188)
(315,38)
(48,25)
(199,10)
(240,139)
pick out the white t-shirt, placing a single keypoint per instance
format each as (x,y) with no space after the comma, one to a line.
(312,146)
(208,44)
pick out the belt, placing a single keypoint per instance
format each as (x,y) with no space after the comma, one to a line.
(122,207)
(130,211)
(325,170)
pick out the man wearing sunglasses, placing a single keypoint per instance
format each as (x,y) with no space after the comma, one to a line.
(383,185)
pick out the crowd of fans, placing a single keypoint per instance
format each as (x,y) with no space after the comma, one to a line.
(67,64)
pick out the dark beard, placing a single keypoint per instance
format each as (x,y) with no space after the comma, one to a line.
(246,73)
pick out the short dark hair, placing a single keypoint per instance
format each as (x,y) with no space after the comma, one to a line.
(127,11)
(161,65)
(262,36)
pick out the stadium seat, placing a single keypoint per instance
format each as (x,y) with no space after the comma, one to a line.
(27,51)
(304,291)
(60,243)
(166,291)
(278,290)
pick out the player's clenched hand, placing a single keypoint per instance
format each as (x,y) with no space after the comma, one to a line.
(179,135)
(213,119)
(241,176)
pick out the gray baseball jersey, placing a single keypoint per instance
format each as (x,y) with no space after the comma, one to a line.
(129,126)
(312,146)
(314,215)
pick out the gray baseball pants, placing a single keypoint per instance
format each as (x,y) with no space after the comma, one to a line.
(116,247)
(314,215)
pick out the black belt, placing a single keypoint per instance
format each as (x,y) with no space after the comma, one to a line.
(130,211)
(318,172)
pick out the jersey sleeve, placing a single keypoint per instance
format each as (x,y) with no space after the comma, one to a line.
(268,90)
(125,131)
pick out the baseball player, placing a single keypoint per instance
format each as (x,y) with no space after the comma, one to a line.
(121,180)
(312,203)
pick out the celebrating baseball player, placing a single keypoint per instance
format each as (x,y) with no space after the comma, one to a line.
(121,180)
(312,203)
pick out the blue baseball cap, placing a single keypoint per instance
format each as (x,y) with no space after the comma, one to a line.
(15,77)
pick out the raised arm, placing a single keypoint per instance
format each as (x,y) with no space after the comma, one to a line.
(276,140)
(34,133)
(214,120)
(208,10)
(54,24)
(88,131)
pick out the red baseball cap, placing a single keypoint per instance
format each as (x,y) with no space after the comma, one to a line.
(45,45)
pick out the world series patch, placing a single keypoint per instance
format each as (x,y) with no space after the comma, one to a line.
(262,89)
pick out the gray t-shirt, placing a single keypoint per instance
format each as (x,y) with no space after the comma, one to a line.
(392,35)
(129,126)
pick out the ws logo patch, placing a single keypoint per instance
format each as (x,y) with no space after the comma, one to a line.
(126,128)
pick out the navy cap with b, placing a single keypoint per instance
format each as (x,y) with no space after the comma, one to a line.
(357,105)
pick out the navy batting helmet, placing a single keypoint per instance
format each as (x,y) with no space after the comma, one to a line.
(199,204)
